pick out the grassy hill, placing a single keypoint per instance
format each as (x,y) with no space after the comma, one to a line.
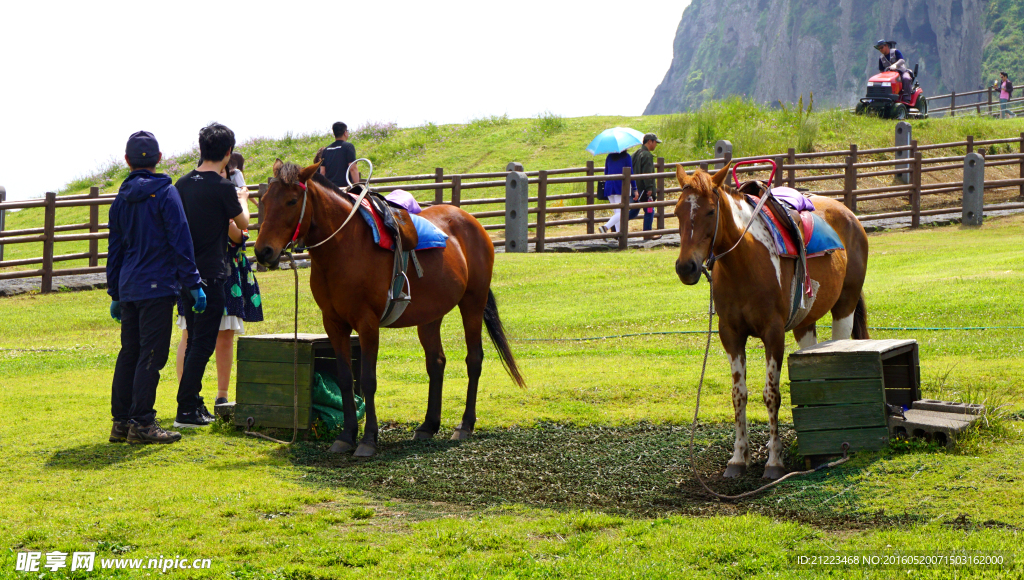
(545,142)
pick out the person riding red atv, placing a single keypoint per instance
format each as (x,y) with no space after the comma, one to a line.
(890,94)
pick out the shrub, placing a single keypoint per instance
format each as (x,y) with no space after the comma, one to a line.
(550,123)
(377,131)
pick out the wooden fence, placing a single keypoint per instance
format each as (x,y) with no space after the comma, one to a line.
(834,174)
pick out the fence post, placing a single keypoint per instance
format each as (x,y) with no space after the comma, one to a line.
(627,191)
(438,191)
(590,197)
(94,227)
(659,186)
(974,189)
(915,192)
(779,162)
(542,208)
(1021,193)
(514,166)
(457,190)
(723,150)
(850,183)
(3,198)
(989,101)
(517,215)
(904,134)
(952,104)
(49,217)
(791,172)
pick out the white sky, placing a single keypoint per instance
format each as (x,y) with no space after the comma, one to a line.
(80,77)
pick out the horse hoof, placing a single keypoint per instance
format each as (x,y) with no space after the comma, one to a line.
(340,447)
(461,435)
(773,472)
(422,435)
(734,471)
(365,450)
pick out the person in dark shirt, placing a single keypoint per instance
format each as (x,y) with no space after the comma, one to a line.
(643,163)
(149,259)
(210,203)
(338,157)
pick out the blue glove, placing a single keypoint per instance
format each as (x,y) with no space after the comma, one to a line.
(115,310)
(200,299)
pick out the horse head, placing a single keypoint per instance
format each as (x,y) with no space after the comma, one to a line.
(697,211)
(283,205)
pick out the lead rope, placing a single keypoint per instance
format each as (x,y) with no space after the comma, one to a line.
(703,368)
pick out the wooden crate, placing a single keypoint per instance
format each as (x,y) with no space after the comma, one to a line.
(839,390)
(264,389)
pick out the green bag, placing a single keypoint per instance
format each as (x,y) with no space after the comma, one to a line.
(327,405)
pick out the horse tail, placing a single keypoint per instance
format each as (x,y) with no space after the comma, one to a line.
(860,320)
(497,333)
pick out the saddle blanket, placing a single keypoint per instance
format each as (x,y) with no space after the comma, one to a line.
(820,237)
(430,236)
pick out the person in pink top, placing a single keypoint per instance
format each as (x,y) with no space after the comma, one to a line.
(1005,94)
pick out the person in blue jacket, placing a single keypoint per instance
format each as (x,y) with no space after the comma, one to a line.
(614,164)
(892,59)
(149,258)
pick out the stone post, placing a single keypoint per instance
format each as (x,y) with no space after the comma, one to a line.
(517,218)
(974,189)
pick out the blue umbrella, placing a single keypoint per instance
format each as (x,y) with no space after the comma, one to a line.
(615,140)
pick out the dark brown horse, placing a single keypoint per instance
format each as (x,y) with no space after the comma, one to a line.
(751,290)
(350,277)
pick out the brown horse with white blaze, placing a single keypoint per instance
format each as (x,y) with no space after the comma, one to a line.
(350,277)
(751,289)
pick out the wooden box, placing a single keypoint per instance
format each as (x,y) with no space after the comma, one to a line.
(839,390)
(264,389)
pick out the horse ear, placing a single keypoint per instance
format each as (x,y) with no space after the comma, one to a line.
(278,164)
(681,176)
(720,175)
(308,172)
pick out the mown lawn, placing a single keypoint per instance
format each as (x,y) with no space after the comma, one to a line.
(582,474)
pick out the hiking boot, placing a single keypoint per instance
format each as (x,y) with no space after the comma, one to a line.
(202,410)
(138,434)
(119,432)
(191,420)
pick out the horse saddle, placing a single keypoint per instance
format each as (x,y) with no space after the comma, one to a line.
(389,221)
(789,234)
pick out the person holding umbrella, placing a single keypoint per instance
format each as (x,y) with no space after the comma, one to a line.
(615,142)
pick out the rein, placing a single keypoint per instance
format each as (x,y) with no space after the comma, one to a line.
(355,206)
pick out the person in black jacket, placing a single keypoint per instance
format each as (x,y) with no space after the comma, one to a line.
(149,257)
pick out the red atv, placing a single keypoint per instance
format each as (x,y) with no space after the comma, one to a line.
(884,98)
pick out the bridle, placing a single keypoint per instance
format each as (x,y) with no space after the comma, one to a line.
(305,196)
(709,262)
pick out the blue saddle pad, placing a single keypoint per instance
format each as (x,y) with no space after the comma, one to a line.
(430,235)
(823,238)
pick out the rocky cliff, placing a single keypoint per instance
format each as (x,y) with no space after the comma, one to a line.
(773,50)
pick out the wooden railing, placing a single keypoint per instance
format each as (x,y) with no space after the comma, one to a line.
(573,215)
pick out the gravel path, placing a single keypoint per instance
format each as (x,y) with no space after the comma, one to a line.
(99,281)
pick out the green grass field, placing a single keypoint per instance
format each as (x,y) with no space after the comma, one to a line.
(583,474)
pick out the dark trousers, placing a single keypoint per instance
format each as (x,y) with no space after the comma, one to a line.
(202,341)
(644,197)
(145,341)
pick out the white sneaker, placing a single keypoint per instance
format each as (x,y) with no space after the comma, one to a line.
(603,229)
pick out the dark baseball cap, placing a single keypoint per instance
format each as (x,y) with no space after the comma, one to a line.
(651,137)
(142,149)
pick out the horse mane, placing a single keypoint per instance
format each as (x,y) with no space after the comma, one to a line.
(289,173)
